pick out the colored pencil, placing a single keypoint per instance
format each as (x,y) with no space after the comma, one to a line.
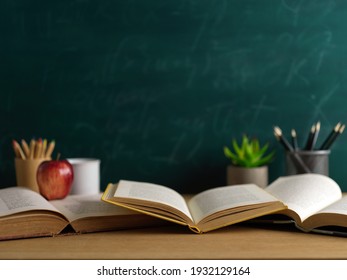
(18,150)
(38,149)
(50,149)
(25,148)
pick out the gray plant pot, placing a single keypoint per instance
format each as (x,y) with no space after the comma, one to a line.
(242,175)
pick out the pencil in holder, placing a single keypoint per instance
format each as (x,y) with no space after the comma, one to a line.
(26,170)
(316,161)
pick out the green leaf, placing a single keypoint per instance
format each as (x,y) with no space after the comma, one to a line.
(228,153)
(255,145)
(264,149)
(238,150)
(267,159)
(249,153)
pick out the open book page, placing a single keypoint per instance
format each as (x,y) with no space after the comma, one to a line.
(305,194)
(333,215)
(222,198)
(76,207)
(19,199)
(148,192)
(339,207)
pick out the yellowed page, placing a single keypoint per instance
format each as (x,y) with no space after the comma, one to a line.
(152,192)
(305,194)
(222,198)
(19,199)
(82,206)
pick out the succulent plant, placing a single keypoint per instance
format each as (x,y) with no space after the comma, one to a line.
(249,154)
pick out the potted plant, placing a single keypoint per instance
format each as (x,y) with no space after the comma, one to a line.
(249,162)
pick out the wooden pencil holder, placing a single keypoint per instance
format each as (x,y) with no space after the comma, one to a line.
(26,170)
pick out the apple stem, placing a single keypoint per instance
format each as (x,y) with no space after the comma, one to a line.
(58,156)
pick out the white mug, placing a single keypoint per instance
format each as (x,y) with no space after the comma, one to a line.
(86,175)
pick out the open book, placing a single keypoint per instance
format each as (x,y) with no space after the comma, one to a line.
(209,210)
(25,213)
(315,203)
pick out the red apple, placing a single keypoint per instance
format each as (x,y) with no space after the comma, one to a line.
(54,178)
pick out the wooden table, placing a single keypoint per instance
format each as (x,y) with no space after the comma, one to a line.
(177,242)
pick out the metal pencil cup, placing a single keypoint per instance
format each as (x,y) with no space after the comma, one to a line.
(316,162)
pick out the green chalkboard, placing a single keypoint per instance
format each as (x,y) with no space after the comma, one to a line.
(155,89)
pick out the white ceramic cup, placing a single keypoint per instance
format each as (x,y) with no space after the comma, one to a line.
(86,175)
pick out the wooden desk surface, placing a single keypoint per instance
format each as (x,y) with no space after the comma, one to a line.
(177,242)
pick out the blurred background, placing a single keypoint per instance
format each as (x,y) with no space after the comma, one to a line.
(155,89)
